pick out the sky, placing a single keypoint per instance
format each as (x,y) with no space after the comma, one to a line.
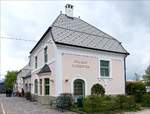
(127,21)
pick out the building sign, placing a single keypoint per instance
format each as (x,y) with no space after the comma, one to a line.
(80,64)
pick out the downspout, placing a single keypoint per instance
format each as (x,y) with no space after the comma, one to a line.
(125,73)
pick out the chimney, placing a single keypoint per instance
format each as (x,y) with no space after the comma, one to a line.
(69,10)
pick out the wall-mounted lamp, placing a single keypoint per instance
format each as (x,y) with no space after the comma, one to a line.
(52,80)
(66,80)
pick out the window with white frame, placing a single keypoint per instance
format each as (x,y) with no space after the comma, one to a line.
(36,86)
(45,55)
(104,68)
(46,83)
(40,86)
(36,61)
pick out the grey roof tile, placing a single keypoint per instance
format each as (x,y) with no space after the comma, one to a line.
(45,69)
(75,31)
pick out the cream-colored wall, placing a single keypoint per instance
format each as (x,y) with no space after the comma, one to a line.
(51,76)
(90,72)
(39,52)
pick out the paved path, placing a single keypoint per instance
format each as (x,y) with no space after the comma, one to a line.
(16,105)
(146,111)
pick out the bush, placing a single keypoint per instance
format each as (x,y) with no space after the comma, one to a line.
(137,89)
(146,100)
(64,101)
(97,89)
(28,95)
(96,103)
(123,102)
(80,101)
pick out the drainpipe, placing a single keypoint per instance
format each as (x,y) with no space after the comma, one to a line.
(125,73)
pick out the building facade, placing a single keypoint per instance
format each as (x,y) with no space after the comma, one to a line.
(72,56)
(23,80)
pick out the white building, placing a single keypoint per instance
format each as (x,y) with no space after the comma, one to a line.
(72,56)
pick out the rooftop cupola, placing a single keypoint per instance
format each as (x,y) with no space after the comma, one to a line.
(69,10)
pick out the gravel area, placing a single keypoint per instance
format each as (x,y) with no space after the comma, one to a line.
(16,105)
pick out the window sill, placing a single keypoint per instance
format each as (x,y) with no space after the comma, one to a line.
(101,77)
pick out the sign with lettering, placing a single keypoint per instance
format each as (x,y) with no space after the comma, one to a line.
(80,64)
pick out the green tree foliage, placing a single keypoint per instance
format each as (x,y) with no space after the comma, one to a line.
(146,100)
(147,76)
(97,89)
(137,89)
(10,78)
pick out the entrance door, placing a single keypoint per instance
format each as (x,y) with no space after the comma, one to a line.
(79,87)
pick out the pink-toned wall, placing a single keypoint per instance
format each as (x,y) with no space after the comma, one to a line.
(50,76)
(87,68)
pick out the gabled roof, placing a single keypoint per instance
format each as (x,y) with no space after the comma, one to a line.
(45,69)
(73,31)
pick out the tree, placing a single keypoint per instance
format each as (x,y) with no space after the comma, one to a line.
(147,76)
(137,89)
(10,78)
(97,89)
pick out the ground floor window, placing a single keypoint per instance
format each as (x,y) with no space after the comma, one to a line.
(46,80)
(79,87)
(36,86)
(40,86)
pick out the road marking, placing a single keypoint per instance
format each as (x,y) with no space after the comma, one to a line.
(3,108)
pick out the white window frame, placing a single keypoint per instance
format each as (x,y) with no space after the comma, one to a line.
(47,54)
(110,68)
(35,62)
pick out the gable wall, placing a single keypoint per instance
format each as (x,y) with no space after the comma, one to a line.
(39,52)
(90,71)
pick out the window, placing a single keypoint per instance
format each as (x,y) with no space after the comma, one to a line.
(104,68)
(45,55)
(35,61)
(46,86)
(36,86)
(40,86)
(79,87)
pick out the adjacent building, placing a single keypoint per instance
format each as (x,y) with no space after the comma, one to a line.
(72,56)
(23,80)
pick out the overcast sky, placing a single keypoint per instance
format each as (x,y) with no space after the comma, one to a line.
(127,21)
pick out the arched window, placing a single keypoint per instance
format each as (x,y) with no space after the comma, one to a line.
(36,86)
(79,87)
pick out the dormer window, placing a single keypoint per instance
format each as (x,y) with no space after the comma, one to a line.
(45,55)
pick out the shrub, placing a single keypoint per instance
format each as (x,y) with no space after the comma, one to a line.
(28,95)
(80,101)
(97,89)
(123,102)
(137,89)
(146,100)
(64,101)
(96,103)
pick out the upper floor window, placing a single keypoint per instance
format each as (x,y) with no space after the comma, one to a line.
(104,68)
(45,55)
(35,61)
